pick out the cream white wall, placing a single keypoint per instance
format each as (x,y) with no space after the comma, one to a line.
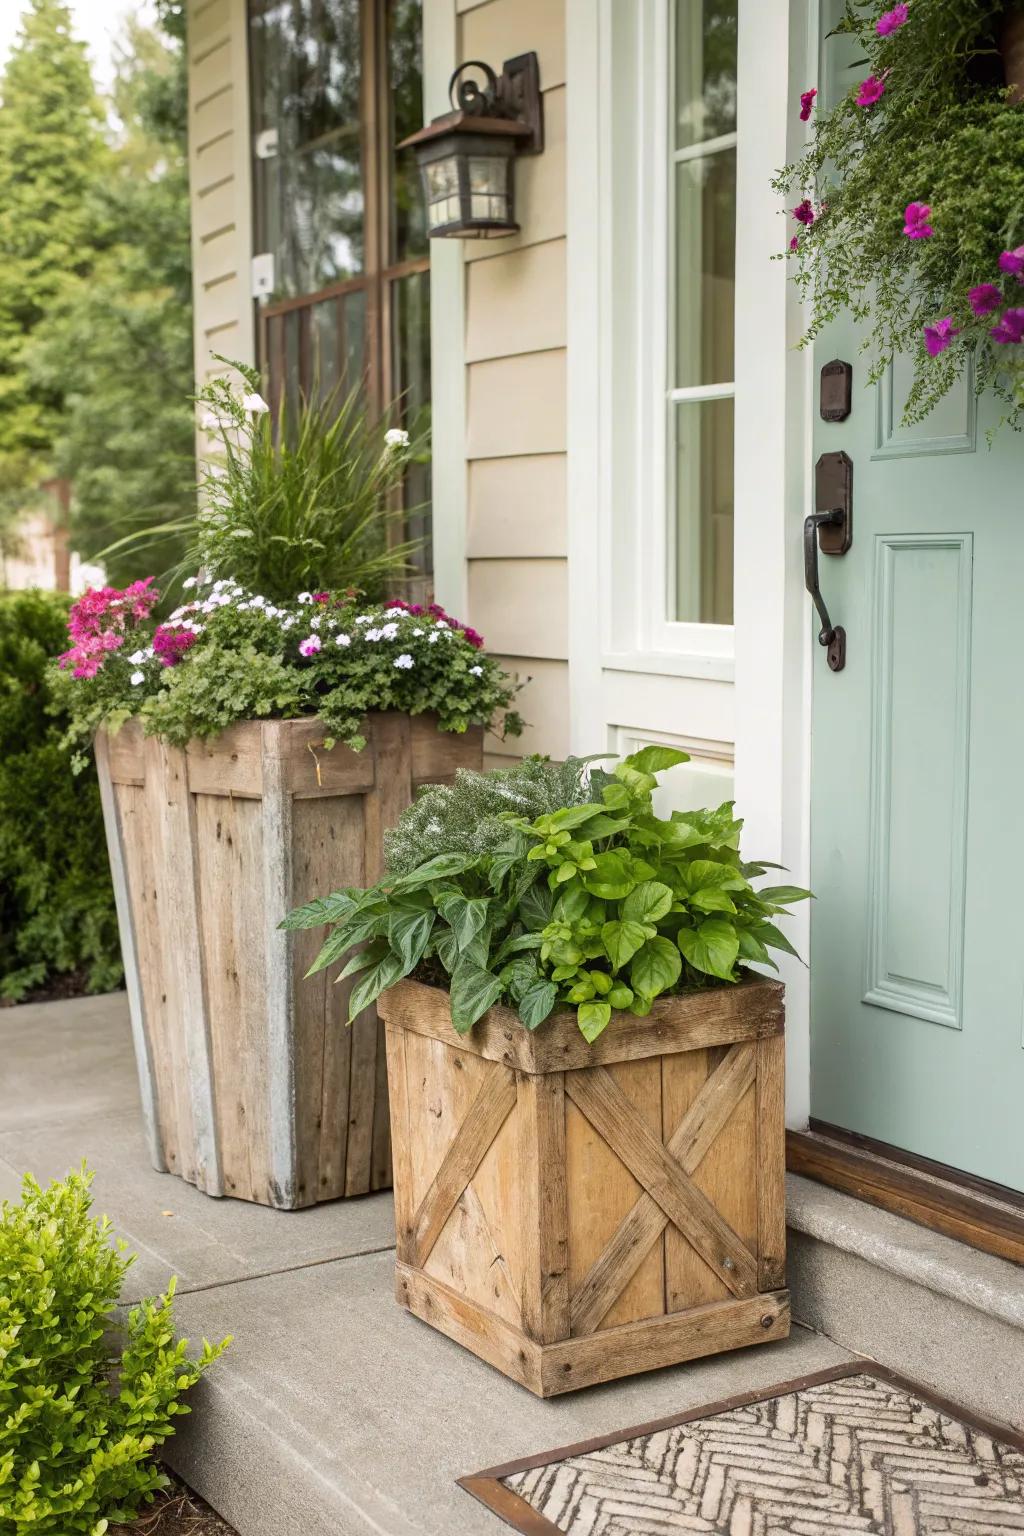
(219,177)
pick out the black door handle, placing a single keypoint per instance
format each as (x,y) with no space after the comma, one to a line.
(831,635)
(830,528)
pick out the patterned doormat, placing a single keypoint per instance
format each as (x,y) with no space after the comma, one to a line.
(851,1449)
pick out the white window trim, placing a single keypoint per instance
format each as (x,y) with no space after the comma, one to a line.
(772,638)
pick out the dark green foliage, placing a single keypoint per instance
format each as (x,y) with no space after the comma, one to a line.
(116,343)
(56,902)
(51,154)
(468,816)
(944,134)
(86,1396)
(601,906)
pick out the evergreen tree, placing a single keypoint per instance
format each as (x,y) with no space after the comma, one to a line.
(52,152)
(119,341)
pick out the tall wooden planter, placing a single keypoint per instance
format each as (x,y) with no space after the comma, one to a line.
(576,1213)
(252,1085)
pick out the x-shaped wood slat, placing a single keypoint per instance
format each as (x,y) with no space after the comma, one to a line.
(664,1172)
(486,1116)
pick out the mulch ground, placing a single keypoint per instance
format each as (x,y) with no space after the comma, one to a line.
(178,1512)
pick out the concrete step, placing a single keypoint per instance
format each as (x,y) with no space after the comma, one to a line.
(914,1300)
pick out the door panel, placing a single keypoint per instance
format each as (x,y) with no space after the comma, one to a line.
(917,959)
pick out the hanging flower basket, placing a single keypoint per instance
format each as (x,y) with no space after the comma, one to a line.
(907,205)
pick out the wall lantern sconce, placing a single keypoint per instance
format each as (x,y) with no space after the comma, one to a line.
(466,157)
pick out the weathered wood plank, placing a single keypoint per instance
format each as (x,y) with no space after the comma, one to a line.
(469,1324)
(647,1346)
(770,1118)
(719,1016)
(610,1112)
(545,1237)
(129,951)
(228,764)
(401,1135)
(641,1228)
(486,1116)
(362,1087)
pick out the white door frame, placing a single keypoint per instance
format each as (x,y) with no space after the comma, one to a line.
(769,700)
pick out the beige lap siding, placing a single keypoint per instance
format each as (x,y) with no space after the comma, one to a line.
(517,573)
(219,177)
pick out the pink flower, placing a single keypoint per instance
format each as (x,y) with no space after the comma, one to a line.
(170,645)
(807,103)
(871,90)
(804,212)
(915,221)
(794,243)
(1010,329)
(321,597)
(309,646)
(1013,262)
(984,299)
(892,20)
(98,621)
(937,337)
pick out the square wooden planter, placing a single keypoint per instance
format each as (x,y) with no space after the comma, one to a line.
(575,1213)
(251,1083)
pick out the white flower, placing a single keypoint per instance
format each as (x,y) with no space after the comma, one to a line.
(477,671)
(315,621)
(304,597)
(373,634)
(219,584)
(258,602)
(136,657)
(243,607)
(432,639)
(417,631)
(396,438)
(388,631)
(255,403)
(362,618)
(190,581)
(288,622)
(343,640)
(404,661)
(138,677)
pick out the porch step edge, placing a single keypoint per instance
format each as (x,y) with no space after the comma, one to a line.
(992,1286)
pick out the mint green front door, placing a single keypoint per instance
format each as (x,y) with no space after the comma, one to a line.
(917,820)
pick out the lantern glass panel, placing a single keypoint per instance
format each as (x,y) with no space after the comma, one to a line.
(489,174)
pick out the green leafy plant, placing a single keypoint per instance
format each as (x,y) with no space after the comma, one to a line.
(80,1422)
(470,816)
(57,914)
(597,906)
(294,500)
(909,200)
(230,654)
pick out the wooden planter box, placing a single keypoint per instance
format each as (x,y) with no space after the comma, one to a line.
(251,1083)
(576,1213)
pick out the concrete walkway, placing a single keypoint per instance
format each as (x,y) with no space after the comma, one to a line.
(334,1413)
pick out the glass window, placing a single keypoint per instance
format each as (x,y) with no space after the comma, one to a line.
(703,201)
(336,85)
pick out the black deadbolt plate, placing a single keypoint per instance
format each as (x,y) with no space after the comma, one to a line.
(833,491)
(835,398)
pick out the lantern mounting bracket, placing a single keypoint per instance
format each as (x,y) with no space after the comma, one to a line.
(513,95)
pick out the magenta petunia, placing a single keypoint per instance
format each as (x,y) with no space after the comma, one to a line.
(804,212)
(937,337)
(891,21)
(807,103)
(1013,262)
(310,646)
(170,644)
(794,243)
(984,298)
(871,90)
(915,221)
(1010,330)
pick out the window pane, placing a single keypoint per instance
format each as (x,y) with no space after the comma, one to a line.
(353,311)
(410,298)
(705,296)
(305,68)
(705,70)
(703,513)
(312,205)
(405,91)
